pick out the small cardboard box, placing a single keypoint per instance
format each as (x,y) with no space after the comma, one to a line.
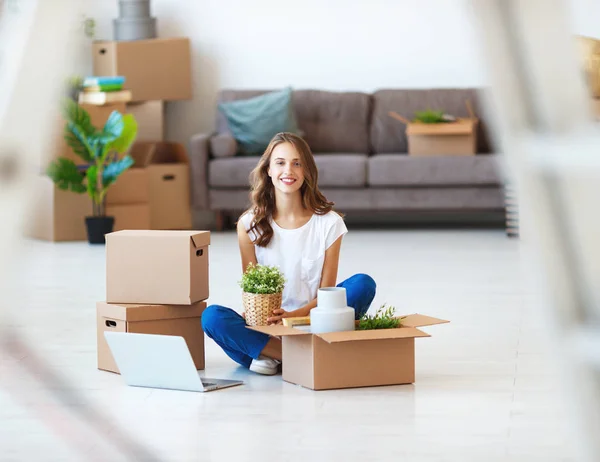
(56,215)
(154,69)
(129,216)
(183,321)
(150,117)
(161,177)
(454,138)
(159,267)
(360,358)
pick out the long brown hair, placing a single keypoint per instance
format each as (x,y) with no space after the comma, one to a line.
(262,191)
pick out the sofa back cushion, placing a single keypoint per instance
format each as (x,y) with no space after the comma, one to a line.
(388,135)
(329,121)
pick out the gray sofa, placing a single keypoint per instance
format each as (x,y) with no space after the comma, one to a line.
(362,157)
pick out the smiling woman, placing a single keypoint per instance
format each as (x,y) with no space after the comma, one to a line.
(290,225)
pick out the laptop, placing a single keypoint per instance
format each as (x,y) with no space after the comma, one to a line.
(159,361)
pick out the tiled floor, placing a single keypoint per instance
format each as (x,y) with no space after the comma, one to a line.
(486,390)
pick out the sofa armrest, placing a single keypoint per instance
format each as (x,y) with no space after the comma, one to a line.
(199,157)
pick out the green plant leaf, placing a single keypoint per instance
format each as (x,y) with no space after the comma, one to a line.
(65,174)
(262,279)
(384,318)
(92,182)
(112,171)
(78,129)
(127,135)
(430,117)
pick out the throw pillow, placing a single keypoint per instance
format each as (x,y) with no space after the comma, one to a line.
(223,145)
(254,121)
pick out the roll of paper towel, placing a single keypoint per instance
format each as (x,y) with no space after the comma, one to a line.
(332,313)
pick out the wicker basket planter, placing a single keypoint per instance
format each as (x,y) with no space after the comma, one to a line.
(259,307)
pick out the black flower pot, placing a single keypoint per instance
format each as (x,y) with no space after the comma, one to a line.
(97,227)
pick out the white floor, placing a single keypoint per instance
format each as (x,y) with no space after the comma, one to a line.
(486,387)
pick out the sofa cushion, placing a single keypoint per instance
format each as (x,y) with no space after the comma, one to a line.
(223,145)
(334,121)
(335,170)
(342,169)
(388,135)
(404,170)
(254,121)
(329,121)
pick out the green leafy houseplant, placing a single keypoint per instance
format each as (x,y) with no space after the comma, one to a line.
(383,319)
(103,151)
(262,288)
(261,279)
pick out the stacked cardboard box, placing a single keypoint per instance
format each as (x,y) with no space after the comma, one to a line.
(155,193)
(156,283)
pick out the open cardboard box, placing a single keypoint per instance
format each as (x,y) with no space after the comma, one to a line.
(160,176)
(456,138)
(359,358)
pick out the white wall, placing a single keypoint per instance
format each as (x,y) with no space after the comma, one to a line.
(335,45)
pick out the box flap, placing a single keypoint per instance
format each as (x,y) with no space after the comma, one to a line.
(278,330)
(200,238)
(168,152)
(374,334)
(142,154)
(133,312)
(175,233)
(420,320)
(460,127)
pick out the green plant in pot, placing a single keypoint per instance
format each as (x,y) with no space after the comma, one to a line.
(104,153)
(262,290)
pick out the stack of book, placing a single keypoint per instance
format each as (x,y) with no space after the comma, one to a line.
(104,90)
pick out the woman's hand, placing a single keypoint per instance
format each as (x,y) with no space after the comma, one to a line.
(280,313)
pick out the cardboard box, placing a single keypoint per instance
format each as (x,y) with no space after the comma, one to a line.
(56,215)
(182,321)
(360,358)
(154,69)
(162,267)
(161,177)
(150,117)
(130,216)
(455,138)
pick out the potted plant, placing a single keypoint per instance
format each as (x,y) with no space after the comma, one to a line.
(262,288)
(104,153)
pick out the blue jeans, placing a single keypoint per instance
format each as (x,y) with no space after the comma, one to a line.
(228,329)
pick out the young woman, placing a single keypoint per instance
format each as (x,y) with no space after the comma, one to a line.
(290,225)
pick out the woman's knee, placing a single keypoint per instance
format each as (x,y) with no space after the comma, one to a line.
(212,318)
(365,282)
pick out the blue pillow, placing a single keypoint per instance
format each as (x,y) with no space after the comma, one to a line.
(254,121)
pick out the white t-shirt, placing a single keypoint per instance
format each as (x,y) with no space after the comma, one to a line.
(299,253)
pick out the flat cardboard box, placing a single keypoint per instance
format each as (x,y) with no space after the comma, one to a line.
(161,177)
(159,267)
(54,214)
(182,321)
(129,216)
(360,358)
(456,138)
(150,117)
(154,69)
